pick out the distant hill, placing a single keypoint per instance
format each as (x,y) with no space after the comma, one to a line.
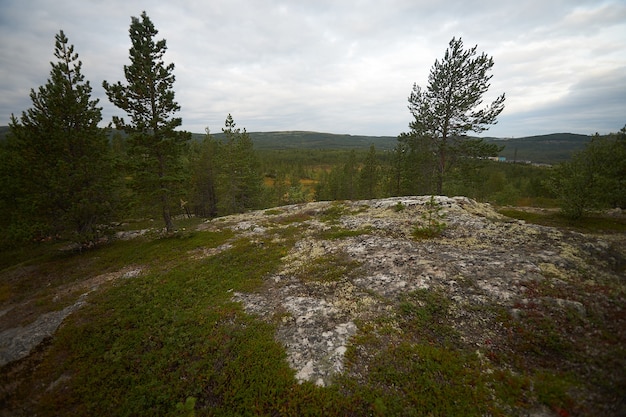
(314,140)
(546,149)
(3,131)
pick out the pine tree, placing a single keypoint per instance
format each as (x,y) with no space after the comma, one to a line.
(239,182)
(594,178)
(148,98)
(350,176)
(448,108)
(369,176)
(204,178)
(58,167)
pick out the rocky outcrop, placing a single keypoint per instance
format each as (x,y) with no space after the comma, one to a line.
(521,300)
(355,261)
(18,342)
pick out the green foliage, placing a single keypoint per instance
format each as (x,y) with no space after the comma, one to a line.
(416,367)
(544,149)
(57,173)
(302,141)
(342,182)
(225,174)
(328,268)
(154,146)
(171,342)
(424,316)
(333,213)
(594,178)
(204,170)
(428,380)
(369,176)
(173,334)
(411,169)
(448,108)
(338,233)
(238,180)
(187,409)
(432,224)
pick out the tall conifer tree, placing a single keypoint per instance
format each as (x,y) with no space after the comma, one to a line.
(148,98)
(449,107)
(57,159)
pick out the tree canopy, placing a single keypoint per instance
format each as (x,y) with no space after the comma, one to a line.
(57,174)
(449,107)
(594,178)
(148,99)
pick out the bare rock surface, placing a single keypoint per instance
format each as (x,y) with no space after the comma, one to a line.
(18,342)
(481,258)
(355,262)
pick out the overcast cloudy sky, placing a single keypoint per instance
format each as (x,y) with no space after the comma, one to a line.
(338,66)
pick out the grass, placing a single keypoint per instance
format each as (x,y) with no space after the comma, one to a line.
(594,223)
(333,213)
(432,223)
(328,268)
(171,343)
(148,344)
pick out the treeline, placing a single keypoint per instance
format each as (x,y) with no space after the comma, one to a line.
(63,177)
(368,174)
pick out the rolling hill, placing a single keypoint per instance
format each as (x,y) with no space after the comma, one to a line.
(547,149)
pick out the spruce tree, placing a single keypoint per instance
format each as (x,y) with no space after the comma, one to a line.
(239,182)
(449,107)
(155,147)
(369,175)
(57,170)
(203,194)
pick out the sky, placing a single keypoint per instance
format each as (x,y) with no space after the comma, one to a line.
(336,66)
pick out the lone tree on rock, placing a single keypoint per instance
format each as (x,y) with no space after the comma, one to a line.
(449,108)
(148,99)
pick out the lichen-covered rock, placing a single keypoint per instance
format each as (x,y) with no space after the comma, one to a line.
(482,261)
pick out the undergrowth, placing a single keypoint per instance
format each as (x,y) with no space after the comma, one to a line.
(170,342)
(432,222)
(592,223)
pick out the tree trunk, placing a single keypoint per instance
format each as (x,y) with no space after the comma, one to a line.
(167,217)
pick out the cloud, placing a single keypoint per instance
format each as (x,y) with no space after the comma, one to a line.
(597,100)
(342,67)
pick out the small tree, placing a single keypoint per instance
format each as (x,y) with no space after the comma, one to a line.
(448,108)
(57,169)
(239,182)
(148,99)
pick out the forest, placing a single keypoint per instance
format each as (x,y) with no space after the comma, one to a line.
(64,177)
(124,289)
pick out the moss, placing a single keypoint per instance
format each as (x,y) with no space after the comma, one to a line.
(339,233)
(328,268)
(273,212)
(549,270)
(334,212)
